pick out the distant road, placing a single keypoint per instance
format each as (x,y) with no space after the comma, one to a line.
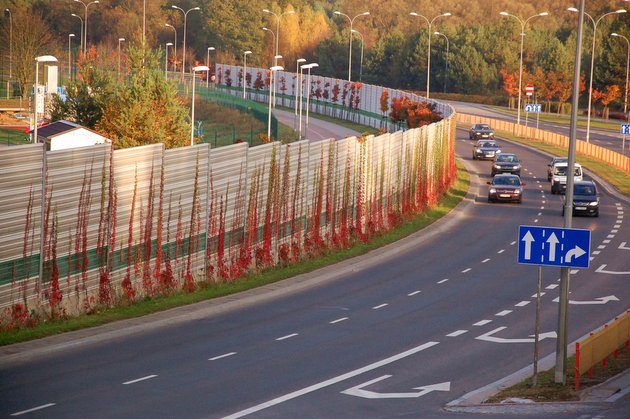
(601,137)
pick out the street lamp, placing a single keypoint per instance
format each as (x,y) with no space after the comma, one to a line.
(625,101)
(40,59)
(362,42)
(273,34)
(174,45)
(430,23)
(168,44)
(298,86)
(308,92)
(192,115)
(273,70)
(10,50)
(446,65)
(119,41)
(70,36)
(278,17)
(520,68)
(245,54)
(81,38)
(86,21)
(185,18)
(208,65)
(351,20)
(590,83)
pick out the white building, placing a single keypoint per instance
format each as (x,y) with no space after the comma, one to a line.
(61,135)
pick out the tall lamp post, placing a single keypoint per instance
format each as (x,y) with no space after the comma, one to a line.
(430,23)
(446,65)
(351,20)
(10,50)
(174,45)
(520,67)
(40,59)
(184,46)
(273,34)
(208,65)
(119,41)
(192,115)
(625,100)
(308,93)
(86,5)
(590,82)
(271,82)
(298,86)
(245,54)
(70,36)
(361,62)
(278,17)
(82,26)
(168,44)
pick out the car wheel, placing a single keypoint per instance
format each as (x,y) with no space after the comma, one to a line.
(596,214)
(490,200)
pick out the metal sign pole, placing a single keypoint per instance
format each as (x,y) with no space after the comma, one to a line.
(537,328)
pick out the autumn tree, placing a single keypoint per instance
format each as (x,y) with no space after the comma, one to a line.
(610,94)
(146,108)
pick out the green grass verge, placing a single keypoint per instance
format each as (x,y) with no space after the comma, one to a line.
(561,119)
(548,391)
(13,137)
(209,291)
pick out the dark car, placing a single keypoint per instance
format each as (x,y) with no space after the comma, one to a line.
(485,149)
(585,198)
(506,163)
(551,164)
(506,187)
(481,131)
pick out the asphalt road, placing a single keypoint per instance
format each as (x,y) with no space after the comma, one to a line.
(367,338)
(612,140)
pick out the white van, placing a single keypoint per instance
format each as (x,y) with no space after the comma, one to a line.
(559,176)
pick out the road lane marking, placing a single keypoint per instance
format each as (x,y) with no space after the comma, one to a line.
(601,247)
(482,322)
(610,236)
(617,226)
(536,295)
(536,220)
(512,244)
(614,231)
(551,287)
(338,320)
(596,252)
(411,294)
(442,281)
(457,333)
(485,260)
(466,270)
(539,214)
(23,412)
(544,202)
(221,356)
(331,381)
(137,380)
(574,271)
(522,304)
(503,313)
(501,251)
(287,336)
(380,306)
(606,241)
(542,207)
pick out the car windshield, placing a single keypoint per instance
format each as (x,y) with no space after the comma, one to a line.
(489,145)
(562,171)
(482,126)
(584,190)
(507,180)
(507,158)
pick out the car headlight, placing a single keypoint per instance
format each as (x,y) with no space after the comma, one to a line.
(492,190)
(593,204)
(517,191)
(556,179)
(497,151)
(496,166)
(516,167)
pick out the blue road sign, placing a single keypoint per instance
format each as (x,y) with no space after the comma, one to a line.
(625,129)
(568,247)
(533,107)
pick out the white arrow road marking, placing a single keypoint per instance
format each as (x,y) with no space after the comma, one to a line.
(488,337)
(366,394)
(553,241)
(600,300)
(528,239)
(601,270)
(331,381)
(623,246)
(576,252)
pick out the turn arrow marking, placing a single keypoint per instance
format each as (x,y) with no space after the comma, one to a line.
(489,338)
(367,394)
(600,300)
(601,270)
(623,246)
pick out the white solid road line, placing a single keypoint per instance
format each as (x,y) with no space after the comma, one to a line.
(148,377)
(411,294)
(503,313)
(482,322)
(380,306)
(287,336)
(222,356)
(331,381)
(338,320)
(23,412)
(457,333)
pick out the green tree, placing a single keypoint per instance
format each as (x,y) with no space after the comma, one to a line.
(146,108)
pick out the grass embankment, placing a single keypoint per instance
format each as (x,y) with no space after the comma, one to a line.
(209,291)
(547,390)
(561,119)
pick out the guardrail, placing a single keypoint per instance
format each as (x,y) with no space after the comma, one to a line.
(601,344)
(605,155)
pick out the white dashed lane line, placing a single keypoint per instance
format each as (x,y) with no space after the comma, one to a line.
(606,241)
(536,220)
(513,243)
(610,236)
(34,409)
(456,333)
(551,286)
(380,306)
(485,260)
(536,296)
(442,281)
(482,322)
(466,270)
(522,304)
(503,313)
(137,380)
(574,271)
(501,251)
(339,320)
(215,358)
(411,294)
(596,252)
(287,336)
(601,246)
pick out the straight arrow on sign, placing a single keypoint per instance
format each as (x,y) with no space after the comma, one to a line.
(553,241)
(528,239)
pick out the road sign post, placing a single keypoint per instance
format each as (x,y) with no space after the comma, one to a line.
(625,130)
